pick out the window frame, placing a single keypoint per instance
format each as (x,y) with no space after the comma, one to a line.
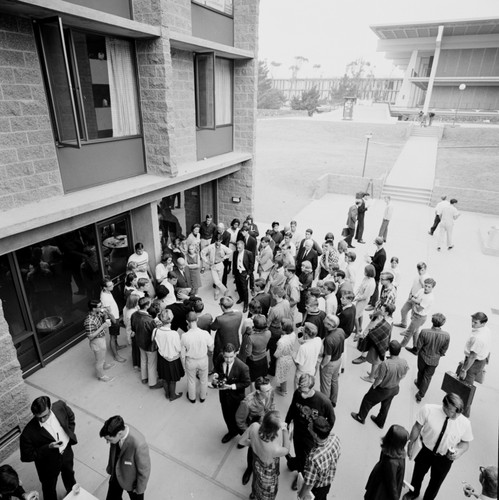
(213,120)
(71,71)
(213,9)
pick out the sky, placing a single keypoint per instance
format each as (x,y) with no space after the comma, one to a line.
(332,33)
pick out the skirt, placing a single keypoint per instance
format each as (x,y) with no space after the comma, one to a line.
(170,371)
(258,368)
(265,479)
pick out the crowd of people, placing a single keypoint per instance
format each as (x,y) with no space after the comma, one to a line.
(303,301)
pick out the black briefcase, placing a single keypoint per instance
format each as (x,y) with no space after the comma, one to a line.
(466,392)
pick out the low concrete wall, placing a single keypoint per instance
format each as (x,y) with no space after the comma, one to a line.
(346,184)
(472,200)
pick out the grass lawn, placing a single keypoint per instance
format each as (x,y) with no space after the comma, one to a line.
(292,154)
(473,167)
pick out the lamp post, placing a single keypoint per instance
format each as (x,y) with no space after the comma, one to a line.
(461,88)
(368,138)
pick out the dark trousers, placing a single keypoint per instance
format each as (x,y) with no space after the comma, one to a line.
(229,407)
(65,469)
(115,491)
(321,493)
(242,286)
(375,295)
(360,228)
(349,236)
(436,222)
(425,373)
(474,370)
(227,268)
(439,465)
(249,459)
(375,396)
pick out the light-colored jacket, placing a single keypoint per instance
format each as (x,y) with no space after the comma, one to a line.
(208,253)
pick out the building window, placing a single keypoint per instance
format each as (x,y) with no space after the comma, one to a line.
(91,83)
(224,6)
(214,91)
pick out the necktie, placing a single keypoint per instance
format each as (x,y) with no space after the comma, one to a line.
(441,435)
(226,370)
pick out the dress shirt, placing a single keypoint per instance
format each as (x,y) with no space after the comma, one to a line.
(240,265)
(54,428)
(479,343)
(196,343)
(423,308)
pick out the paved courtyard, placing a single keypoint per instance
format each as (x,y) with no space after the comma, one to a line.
(188,460)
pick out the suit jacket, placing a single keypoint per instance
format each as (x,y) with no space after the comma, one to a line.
(265,300)
(378,261)
(265,259)
(35,440)
(316,247)
(248,262)
(352,216)
(183,280)
(224,237)
(251,244)
(132,465)
(227,327)
(239,375)
(311,257)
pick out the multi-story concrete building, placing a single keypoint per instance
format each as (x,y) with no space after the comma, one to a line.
(448,64)
(120,120)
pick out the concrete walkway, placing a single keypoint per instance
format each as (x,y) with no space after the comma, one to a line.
(188,460)
(415,167)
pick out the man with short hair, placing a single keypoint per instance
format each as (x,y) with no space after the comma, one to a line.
(296,237)
(431,346)
(330,299)
(347,315)
(334,345)
(262,296)
(308,236)
(227,327)
(276,234)
(417,285)
(422,303)
(314,315)
(231,379)
(306,406)
(214,256)
(242,267)
(113,314)
(308,354)
(387,217)
(342,286)
(207,230)
(445,435)
(388,293)
(252,409)
(196,344)
(385,386)
(182,272)
(47,440)
(448,216)
(350,223)
(328,260)
(320,467)
(129,463)
(264,258)
(95,325)
(378,261)
(361,213)
(144,325)
(307,253)
(438,210)
(292,289)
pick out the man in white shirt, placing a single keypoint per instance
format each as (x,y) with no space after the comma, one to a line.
(417,285)
(215,255)
(445,435)
(113,313)
(447,217)
(308,354)
(195,345)
(438,210)
(422,303)
(387,217)
(264,258)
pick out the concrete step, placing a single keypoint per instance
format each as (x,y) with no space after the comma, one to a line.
(409,199)
(404,193)
(406,189)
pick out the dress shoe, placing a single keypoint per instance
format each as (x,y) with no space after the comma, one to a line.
(430,233)
(373,418)
(202,400)
(245,310)
(438,249)
(400,325)
(450,248)
(294,486)
(227,438)
(156,386)
(359,360)
(362,242)
(351,246)
(176,396)
(240,301)
(355,416)
(412,350)
(240,446)
(418,398)
(191,400)
(105,378)
(246,476)
(144,381)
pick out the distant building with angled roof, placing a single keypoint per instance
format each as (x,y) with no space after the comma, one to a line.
(440,56)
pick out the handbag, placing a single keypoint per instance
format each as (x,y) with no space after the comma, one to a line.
(345,231)
(466,392)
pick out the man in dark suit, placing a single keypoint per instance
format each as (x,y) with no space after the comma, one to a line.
(261,296)
(307,252)
(378,261)
(243,263)
(361,213)
(182,272)
(129,462)
(226,326)
(47,441)
(236,376)
(250,244)
(308,236)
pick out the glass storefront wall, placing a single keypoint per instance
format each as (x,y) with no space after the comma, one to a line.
(45,287)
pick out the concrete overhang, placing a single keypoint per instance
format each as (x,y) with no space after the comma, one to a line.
(191,43)
(24,225)
(81,17)
(455,81)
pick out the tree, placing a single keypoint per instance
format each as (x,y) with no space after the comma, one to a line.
(309,100)
(268,97)
(349,85)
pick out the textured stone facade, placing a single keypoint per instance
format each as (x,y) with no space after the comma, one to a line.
(14,402)
(29,171)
